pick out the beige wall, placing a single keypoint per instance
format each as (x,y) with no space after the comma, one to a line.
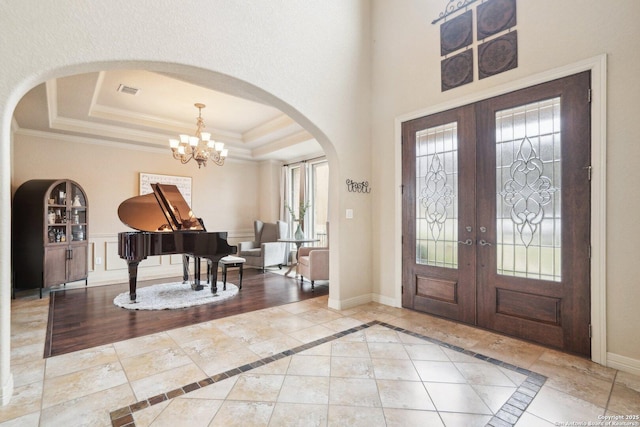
(551,34)
(226,198)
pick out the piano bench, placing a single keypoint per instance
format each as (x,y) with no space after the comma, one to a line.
(231,261)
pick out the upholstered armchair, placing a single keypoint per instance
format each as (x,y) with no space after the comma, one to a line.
(265,250)
(313,262)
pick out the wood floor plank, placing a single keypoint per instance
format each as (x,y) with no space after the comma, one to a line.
(86,317)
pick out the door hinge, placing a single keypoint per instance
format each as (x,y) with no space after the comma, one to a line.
(402,290)
(589,95)
(590,331)
(589,171)
(589,251)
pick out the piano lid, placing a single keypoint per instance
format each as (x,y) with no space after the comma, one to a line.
(163,210)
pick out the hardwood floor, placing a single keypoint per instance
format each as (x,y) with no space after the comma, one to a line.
(86,317)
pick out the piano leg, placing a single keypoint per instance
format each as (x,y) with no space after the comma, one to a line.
(196,279)
(133,277)
(214,281)
(185,268)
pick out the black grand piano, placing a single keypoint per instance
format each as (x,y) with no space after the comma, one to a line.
(167,226)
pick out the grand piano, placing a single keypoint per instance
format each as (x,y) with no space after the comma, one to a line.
(167,226)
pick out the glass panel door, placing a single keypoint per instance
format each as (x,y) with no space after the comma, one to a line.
(438,228)
(496,213)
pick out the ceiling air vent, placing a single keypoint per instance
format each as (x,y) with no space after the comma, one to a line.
(128,89)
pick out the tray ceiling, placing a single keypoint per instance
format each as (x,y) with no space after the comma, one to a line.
(101,107)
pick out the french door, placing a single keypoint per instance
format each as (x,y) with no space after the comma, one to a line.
(496,214)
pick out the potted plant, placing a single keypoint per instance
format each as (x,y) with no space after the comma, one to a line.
(302,210)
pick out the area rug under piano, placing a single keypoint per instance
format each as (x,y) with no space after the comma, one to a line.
(174,295)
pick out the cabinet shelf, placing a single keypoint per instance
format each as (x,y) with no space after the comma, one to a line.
(49,234)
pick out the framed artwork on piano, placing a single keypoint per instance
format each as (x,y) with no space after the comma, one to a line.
(182,182)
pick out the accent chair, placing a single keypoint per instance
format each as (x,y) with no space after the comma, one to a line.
(313,262)
(265,250)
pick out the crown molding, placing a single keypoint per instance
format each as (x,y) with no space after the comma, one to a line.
(282,143)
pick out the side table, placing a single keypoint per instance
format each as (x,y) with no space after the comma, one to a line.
(298,242)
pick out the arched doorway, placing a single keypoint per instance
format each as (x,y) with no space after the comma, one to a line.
(104,165)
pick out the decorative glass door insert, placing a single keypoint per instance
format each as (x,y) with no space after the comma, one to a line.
(436,196)
(528,215)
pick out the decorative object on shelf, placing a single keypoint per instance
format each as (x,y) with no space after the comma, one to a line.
(76,201)
(358,187)
(200,147)
(302,210)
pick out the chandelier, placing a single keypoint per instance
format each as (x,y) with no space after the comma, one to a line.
(200,147)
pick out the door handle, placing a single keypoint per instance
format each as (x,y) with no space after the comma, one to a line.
(467,242)
(483,242)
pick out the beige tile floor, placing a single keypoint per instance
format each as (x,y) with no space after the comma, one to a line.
(371,376)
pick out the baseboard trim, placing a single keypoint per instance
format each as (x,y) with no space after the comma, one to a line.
(7,391)
(623,363)
(390,301)
(346,304)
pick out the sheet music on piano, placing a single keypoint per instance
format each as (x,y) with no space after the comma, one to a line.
(182,182)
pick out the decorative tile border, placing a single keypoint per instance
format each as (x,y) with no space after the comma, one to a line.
(507,416)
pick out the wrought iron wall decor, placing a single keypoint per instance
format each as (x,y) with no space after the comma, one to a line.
(452,7)
(358,187)
(496,55)
(457,70)
(495,16)
(456,34)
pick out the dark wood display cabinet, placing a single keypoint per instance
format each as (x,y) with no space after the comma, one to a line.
(49,234)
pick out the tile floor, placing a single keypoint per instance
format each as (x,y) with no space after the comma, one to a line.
(306,365)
